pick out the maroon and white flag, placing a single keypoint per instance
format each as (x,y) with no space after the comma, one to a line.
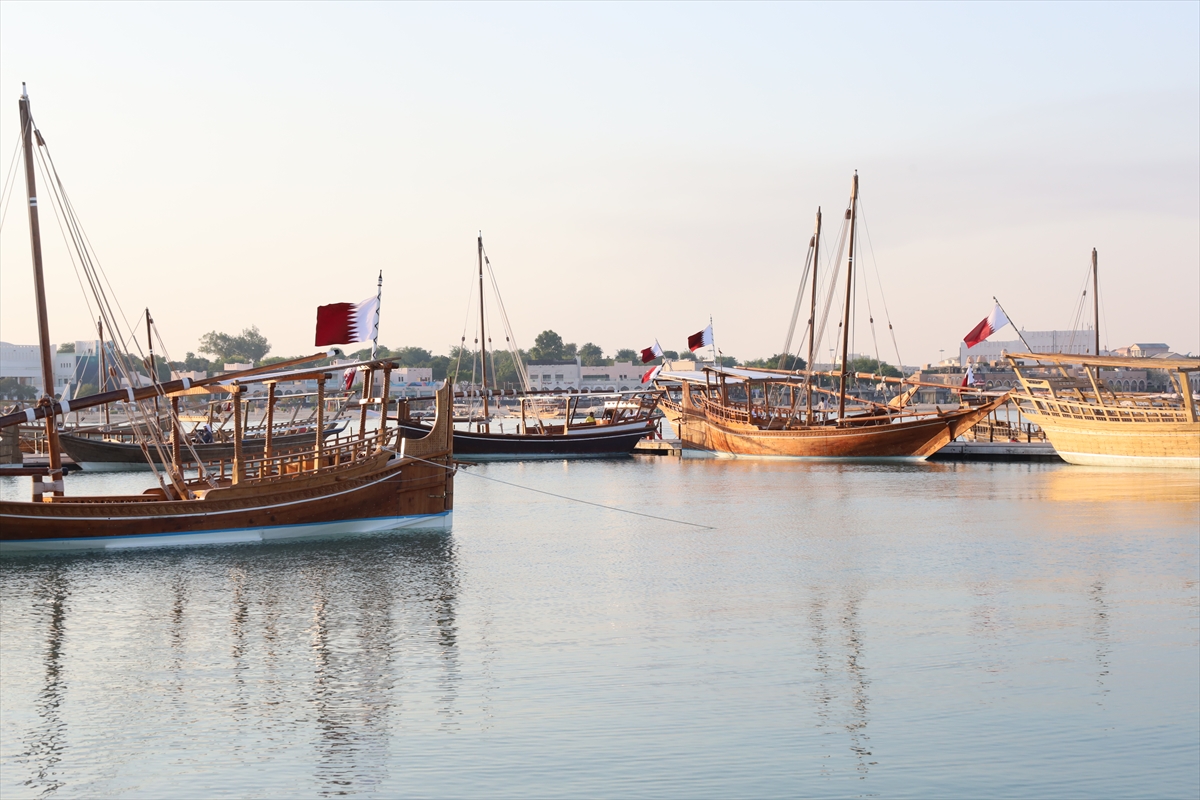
(651,353)
(651,373)
(348,323)
(994,322)
(702,339)
(969,378)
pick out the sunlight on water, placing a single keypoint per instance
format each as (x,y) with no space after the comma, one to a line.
(902,631)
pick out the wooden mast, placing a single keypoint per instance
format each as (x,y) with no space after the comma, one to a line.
(39,289)
(853,212)
(1095,301)
(812,317)
(103,369)
(483,342)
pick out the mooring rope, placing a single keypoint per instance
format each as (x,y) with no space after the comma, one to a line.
(555,494)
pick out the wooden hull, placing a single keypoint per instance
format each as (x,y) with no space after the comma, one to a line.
(406,493)
(590,443)
(98,455)
(378,490)
(914,439)
(1113,443)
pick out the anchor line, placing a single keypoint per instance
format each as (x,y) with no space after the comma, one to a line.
(559,496)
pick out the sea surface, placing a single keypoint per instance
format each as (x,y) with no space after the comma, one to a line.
(817,630)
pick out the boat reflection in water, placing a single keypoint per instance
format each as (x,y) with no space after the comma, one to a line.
(247,656)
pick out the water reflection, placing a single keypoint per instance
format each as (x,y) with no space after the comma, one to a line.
(841,670)
(1106,485)
(316,646)
(46,742)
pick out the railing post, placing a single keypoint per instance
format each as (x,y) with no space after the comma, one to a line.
(239,467)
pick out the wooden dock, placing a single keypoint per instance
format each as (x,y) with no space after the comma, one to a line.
(658,447)
(997,451)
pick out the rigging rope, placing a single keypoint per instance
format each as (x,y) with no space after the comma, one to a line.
(555,494)
(9,181)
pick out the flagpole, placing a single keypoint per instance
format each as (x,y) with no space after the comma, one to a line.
(378,302)
(1015,328)
(714,344)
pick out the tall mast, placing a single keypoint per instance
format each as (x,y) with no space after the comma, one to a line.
(1095,301)
(39,290)
(812,314)
(853,212)
(103,368)
(483,339)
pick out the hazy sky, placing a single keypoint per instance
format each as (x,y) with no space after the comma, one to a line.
(634,168)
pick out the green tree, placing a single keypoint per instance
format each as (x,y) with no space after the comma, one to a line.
(790,362)
(548,346)
(249,345)
(87,389)
(626,354)
(69,347)
(13,389)
(670,355)
(868,364)
(590,355)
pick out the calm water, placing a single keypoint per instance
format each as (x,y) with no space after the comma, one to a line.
(915,631)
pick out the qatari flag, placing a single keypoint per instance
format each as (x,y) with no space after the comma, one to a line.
(651,353)
(702,339)
(347,323)
(651,373)
(994,322)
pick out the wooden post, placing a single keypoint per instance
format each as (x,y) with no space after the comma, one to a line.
(176,430)
(387,386)
(368,386)
(853,212)
(268,449)
(239,464)
(320,447)
(1189,404)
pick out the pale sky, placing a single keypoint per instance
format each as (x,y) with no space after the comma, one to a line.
(634,168)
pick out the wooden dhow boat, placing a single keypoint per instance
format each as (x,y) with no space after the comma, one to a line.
(1089,423)
(549,425)
(363,483)
(770,413)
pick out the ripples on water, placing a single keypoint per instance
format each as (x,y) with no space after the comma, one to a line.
(932,630)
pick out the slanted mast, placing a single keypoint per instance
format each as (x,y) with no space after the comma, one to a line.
(39,289)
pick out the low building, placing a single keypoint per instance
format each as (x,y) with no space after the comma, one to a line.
(1078,342)
(573,376)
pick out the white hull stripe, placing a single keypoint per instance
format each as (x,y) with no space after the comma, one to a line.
(440,521)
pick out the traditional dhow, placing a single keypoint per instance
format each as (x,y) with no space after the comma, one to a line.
(771,413)
(549,425)
(1089,423)
(356,484)
(763,413)
(360,483)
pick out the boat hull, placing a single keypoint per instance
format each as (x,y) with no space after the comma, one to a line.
(101,455)
(406,494)
(589,443)
(908,440)
(1112,443)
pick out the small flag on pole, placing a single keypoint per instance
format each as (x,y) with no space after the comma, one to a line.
(651,373)
(969,378)
(348,323)
(992,323)
(702,339)
(651,353)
